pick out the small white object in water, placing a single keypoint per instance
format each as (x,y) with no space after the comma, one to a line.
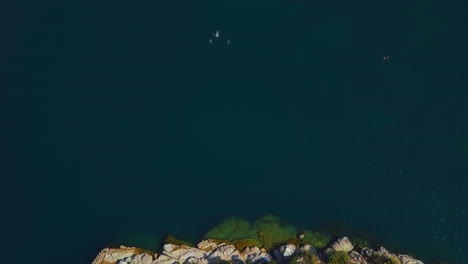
(211,41)
(228,41)
(216,34)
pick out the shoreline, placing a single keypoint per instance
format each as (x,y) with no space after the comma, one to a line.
(267,240)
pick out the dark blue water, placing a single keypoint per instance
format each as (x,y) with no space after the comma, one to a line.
(121,123)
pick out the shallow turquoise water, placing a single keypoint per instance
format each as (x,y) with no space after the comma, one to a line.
(123,123)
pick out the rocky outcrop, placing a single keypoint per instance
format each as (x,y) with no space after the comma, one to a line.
(213,252)
(115,255)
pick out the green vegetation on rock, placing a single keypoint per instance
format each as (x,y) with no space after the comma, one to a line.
(244,243)
(267,232)
(231,229)
(174,240)
(392,260)
(271,232)
(305,258)
(317,239)
(338,257)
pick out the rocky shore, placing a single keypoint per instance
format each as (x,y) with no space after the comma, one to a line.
(342,251)
(267,240)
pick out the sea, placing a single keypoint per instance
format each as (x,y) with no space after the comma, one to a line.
(125,121)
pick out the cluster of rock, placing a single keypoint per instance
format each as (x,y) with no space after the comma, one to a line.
(206,252)
(368,255)
(212,252)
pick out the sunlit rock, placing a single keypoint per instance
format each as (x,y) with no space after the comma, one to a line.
(343,244)
(405,259)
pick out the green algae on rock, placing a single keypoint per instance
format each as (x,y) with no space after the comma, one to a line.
(231,229)
(266,232)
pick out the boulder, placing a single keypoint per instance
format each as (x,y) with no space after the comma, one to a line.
(343,244)
(287,250)
(405,259)
(284,252)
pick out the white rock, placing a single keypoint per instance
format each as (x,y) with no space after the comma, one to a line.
(169,247)
(112,255)
(288,250)
(343,244)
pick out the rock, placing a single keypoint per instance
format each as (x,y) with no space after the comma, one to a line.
(169,247)
(284,252)
(255,255)
(367,252)
(287,250)
(223,251)
(163,259)
(192,260)
(192,253)
(405,259)
(112,255)
(137,259)
(212,252)
(182,253)
(357,258)
(343,244)
(379,256)
(308,249)
(207,245)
